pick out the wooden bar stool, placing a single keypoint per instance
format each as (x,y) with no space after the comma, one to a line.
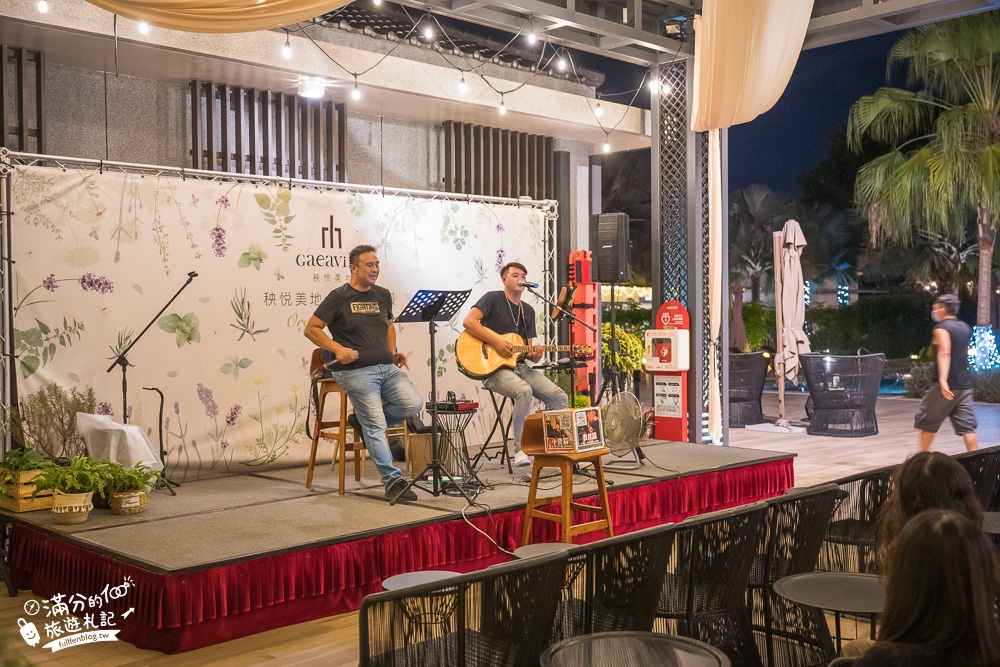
(532,444)
(335,429)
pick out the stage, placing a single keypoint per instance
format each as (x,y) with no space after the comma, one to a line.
(233,556)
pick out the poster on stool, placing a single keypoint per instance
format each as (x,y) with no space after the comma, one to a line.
(572,431)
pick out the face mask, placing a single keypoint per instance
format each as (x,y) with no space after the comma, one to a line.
(934,315)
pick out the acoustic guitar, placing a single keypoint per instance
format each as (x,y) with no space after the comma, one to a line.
(479,360)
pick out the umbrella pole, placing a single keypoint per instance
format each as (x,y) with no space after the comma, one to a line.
(779,374)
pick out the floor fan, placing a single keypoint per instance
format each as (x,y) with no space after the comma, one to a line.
(623,426)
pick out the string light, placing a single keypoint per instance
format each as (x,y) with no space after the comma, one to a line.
(607,143)
(286,50)
(561,65)
(654,85)
(843,295)
(666,89)
(356,93)
(503,107)
(983,353)
(428,32)
(462,87)
(376,2)
(144,28)
(598,111)
(43,6)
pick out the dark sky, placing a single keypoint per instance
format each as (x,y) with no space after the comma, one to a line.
(791,138)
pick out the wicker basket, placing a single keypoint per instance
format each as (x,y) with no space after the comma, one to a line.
(129,502)
(71,508)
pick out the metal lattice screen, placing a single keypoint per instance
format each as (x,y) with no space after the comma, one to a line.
(673,182)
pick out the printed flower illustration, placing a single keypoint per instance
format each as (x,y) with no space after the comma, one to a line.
(104,408)
(219,241)
(50,283)
(186,328)
(253,257)
(223,201)
(91,283)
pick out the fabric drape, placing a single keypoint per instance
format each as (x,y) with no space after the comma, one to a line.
(219,16)
(716,283)
(745,51)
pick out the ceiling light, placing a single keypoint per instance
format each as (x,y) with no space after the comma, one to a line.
(312,87)
(503,107)
(561,64)
(286,50)
(356,93)
(607,145)
(428,33)
(144,27)
(532,37)
(598,111)
(43,6)
(462,87)
(376,2)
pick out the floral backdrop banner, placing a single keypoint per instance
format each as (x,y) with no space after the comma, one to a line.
(96,255)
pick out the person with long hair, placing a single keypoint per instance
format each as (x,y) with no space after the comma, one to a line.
(942,584)
(927,480)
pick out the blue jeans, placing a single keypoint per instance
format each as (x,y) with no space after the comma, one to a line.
(522,384)
(366,389)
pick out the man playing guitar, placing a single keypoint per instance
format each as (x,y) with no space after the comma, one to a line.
(503,312)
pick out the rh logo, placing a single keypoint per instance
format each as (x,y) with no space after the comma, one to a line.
(327,236)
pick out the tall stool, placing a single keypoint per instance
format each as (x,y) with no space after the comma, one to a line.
(334,429)
(506,433)
(533,445)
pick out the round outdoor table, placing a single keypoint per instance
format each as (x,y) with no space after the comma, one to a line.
(410,579)
(839,592)
(633,649)
(540,549)
(991,523)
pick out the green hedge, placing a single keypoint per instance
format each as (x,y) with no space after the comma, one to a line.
(897,326)
(923,374)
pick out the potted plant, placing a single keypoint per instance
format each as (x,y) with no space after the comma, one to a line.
(46,420)
(128,487)
(73,486)
(17,490)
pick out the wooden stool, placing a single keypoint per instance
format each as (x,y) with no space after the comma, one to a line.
(532,444)
(336,429)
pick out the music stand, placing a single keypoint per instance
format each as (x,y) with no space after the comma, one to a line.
(433,306)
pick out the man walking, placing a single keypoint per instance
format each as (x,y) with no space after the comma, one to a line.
(951,395)
(358,315)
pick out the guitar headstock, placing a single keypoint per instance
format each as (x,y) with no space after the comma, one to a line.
(583,351)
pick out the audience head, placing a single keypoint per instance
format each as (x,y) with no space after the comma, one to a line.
(928,480)
(942,582)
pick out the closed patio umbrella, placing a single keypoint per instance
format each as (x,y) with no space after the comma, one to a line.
(737,328)
(790,309)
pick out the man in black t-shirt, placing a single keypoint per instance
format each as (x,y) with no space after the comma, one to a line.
(363,338)
(504,312)
(951,395)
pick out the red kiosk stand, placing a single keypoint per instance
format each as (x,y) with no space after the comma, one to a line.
(668,357)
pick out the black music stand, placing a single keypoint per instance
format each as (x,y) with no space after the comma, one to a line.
(433,306)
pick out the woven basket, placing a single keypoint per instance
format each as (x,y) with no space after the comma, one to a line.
(71,508)
(130,502)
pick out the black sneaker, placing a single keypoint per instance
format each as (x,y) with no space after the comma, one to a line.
(398,492)
(352,419)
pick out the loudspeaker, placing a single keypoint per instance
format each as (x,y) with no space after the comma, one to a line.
(609,246)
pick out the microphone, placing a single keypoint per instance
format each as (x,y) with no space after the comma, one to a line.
(524,283)
(192,274)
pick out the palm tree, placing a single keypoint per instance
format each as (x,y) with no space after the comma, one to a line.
(939,264)
(944,168)
(754,212)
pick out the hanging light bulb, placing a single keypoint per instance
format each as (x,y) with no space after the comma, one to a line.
(312,87)
(43,6)
(598,111)
(376,2)
(286,50)
(144,27)
(503,107)
(666,89)
(428,32)
(654,85)
(607,144)
(532,36)
(561,64)
(462,87)
(356,93)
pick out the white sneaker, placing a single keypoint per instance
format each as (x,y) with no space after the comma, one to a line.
(522,459)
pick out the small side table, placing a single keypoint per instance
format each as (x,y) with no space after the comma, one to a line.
(565,463)
(839,592)
(429,610)
(991,523)
(633,648)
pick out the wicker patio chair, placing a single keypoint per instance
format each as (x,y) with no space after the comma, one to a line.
(704,591)
(852,540)
(983,466)
(789,634)
(843,390)
(746,384)
(499,616)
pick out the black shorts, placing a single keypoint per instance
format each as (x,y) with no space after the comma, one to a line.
(934,408)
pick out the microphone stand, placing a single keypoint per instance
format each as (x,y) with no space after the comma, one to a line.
(122,359)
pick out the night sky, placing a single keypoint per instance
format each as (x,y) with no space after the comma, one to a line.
(791,138)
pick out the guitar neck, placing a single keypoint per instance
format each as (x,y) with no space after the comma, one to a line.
(522,349)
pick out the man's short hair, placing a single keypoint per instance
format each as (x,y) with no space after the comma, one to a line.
(949,302)
(512,265)
(357,251)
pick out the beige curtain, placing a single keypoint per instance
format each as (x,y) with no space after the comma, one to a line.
(744,54)
(219,16)
(745,51)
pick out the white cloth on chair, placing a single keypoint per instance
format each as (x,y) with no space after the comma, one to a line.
(125,443)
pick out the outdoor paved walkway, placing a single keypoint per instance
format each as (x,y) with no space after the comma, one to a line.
(822,459)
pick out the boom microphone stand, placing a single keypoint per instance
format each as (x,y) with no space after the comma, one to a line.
(122,359)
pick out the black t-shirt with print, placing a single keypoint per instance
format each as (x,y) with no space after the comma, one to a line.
(360,321)
(503,317)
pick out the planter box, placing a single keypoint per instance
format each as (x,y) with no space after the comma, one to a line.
(19,492)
